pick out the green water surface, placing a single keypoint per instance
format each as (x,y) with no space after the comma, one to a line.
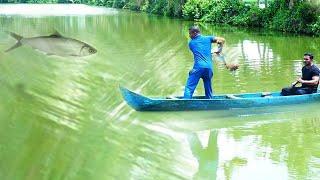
(64,117)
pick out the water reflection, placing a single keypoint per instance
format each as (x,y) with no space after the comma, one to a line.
(257,54)
(272,149)
(205,148)
(231,147)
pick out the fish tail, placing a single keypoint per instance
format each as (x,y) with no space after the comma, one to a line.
(18,44)
(14,35)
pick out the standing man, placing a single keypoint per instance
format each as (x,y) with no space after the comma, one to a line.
(309,80)
(202,68)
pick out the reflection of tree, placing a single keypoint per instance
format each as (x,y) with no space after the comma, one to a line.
(207,157)
(230,166)
(294,142)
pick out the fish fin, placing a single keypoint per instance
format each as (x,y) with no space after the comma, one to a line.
(18,44)
(14,35)
(56,34)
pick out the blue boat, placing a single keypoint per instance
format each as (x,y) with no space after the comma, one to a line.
(219,102)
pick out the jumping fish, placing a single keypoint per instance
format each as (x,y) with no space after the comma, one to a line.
(54,44)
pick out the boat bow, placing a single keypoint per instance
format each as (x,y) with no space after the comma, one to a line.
(137,101)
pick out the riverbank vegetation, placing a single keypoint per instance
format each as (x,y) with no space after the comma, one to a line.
(297,16)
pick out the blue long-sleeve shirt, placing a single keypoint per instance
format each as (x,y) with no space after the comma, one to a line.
(201,49)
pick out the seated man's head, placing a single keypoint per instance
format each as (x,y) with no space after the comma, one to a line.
(194,31)
(307,59)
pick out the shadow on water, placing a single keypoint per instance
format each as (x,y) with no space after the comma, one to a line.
(227,118)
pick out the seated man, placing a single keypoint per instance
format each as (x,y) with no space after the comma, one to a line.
(309,80)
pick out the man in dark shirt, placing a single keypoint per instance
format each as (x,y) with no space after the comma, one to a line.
(309,80)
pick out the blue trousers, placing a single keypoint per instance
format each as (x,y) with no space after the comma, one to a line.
(296,91)
(194,76)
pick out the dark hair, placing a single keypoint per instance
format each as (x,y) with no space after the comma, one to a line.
(309,54)
(194,29)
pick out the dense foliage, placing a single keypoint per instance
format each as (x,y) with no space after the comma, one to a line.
(298,16)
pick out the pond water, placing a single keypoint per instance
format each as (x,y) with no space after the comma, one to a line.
(64,117)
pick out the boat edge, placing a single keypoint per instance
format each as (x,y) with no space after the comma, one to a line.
(133,99)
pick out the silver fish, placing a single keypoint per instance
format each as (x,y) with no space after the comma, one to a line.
(54,44)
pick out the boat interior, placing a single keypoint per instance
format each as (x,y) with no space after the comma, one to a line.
(233,96)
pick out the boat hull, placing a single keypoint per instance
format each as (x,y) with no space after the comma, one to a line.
(219,102)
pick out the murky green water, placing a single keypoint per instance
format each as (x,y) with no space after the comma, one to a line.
(64,118)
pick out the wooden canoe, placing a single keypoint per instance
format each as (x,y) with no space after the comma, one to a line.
(219,102)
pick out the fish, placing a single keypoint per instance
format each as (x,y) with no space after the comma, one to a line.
(54,44)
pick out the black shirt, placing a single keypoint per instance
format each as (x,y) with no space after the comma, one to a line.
(308,73)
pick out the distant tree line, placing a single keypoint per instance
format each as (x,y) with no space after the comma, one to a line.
(297,16)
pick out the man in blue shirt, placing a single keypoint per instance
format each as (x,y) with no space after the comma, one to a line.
(200,46)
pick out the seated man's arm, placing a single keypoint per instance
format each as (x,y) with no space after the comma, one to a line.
(314,81)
